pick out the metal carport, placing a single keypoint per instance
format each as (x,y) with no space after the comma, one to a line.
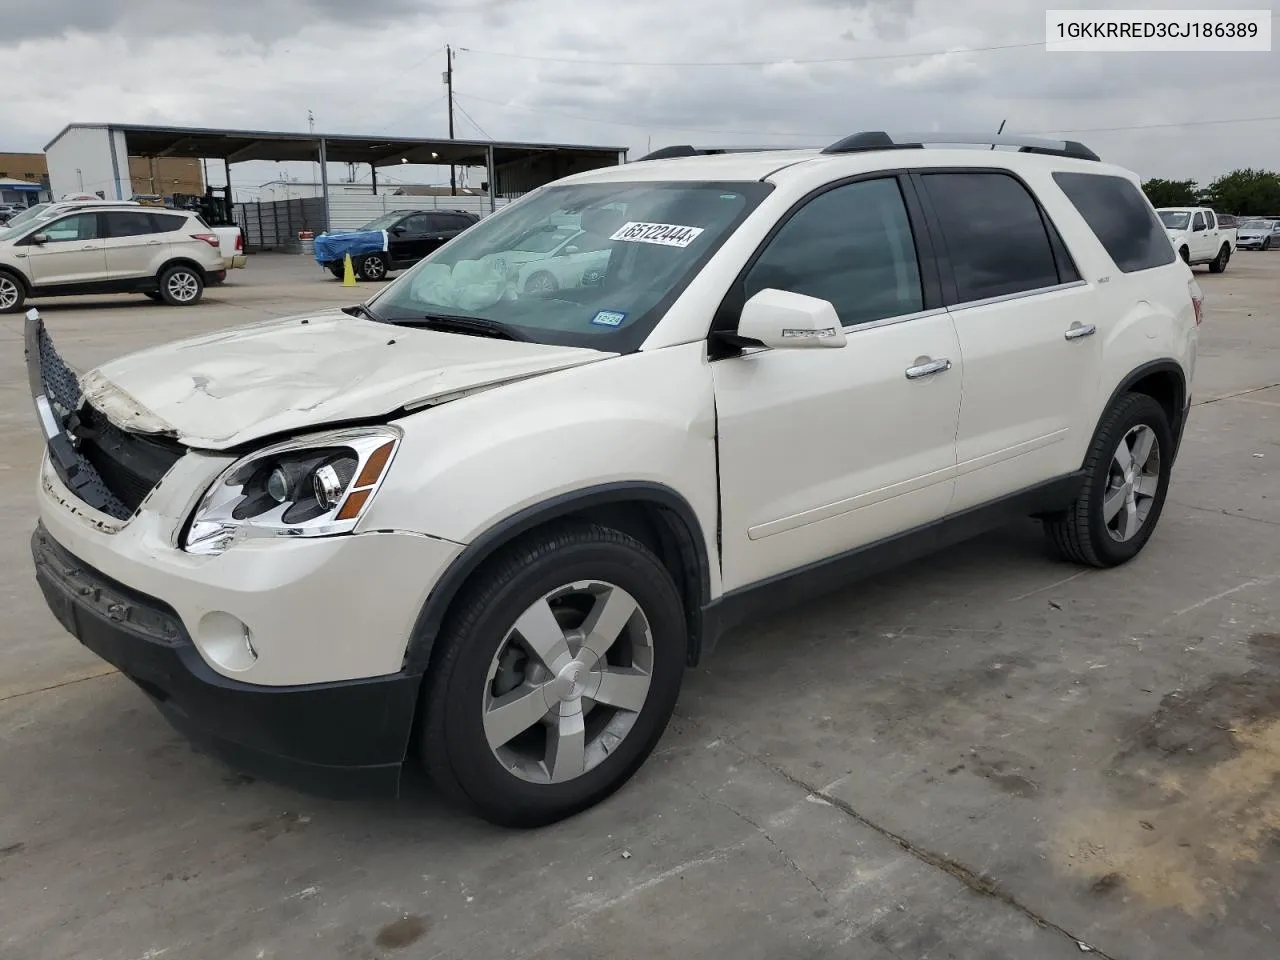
(512,167)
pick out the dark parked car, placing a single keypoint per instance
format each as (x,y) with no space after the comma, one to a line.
(411,235)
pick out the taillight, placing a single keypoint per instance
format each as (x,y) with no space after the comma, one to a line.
(1197,300)
(210,238)
(239,242)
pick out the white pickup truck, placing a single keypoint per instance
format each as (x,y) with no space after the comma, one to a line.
(1198,236)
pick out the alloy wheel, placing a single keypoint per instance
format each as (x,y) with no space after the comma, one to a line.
(9,293)
(1132,483)
(567,682)
(183,286)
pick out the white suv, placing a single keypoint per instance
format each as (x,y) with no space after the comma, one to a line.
(490,527)
(169,255)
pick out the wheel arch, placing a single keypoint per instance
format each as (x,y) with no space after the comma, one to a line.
(654,514)
(183,262)
(1165,382)
(20,277)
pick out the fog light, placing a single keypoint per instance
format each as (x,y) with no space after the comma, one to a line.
(226,641)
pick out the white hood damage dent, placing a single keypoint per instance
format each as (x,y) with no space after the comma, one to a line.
(219,391)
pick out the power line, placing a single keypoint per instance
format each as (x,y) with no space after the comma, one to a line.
(658,125)
(1156,126)
(752,63)
(471,120)
(638,126)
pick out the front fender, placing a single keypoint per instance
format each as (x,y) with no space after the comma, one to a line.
(646,418)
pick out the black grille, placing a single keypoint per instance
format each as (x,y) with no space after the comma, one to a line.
(129,464)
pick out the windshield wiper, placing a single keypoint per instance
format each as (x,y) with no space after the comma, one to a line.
(473,326)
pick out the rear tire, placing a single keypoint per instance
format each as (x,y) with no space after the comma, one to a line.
(1115,513)
(13,292)
(561,755)
(181,286)
(1219,263)
(373,267)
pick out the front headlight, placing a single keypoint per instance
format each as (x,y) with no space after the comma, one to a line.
(316,486)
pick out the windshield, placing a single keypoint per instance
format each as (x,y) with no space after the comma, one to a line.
(591,265)
(384,222)
(30,214)
(1175,219)
(1263,225)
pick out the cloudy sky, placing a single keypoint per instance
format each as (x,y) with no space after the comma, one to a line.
(629,73)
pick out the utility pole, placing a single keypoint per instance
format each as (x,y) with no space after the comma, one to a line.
(448,83)
(311,127)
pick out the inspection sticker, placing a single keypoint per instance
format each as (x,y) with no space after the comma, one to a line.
(664,234)
(609,318)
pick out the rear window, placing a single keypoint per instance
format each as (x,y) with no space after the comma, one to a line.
(1121,219)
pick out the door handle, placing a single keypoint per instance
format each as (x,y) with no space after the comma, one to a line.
(1078,330)
(925,367)
(90,247)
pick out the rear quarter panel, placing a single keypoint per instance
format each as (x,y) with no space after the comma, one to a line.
(1143,316)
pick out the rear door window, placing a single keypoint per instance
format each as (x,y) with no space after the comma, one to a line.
(1120,218)
(131,223)
(996,239)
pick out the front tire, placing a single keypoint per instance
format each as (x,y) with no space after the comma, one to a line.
(554,676)
(13,293)
(1185,254)
(181,286)
(1126,479)
(1266,244)
(373,267)
(1219,263)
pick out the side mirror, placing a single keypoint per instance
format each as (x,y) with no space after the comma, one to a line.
(786,321)
(570,251)
(397,231)
(39,239)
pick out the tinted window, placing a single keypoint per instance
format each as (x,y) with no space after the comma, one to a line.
(454,221)
(1198,222)
(130,224)
(168,222)
(1208,220)
(82,226)
(1121,218)
(417,224)
(995,239)
(852,246)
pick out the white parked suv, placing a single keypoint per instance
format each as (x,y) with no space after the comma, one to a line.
(488,528)
(169,255)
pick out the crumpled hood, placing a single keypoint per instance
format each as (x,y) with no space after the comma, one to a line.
(224,389)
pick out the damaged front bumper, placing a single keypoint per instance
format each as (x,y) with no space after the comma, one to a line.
(346,739)
(322,701)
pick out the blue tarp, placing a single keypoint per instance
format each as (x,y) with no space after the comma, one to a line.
(332,247)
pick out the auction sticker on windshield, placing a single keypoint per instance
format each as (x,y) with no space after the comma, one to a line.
(665,234)
(609,318)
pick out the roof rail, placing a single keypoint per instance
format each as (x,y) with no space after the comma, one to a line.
(879,140)
(686,150)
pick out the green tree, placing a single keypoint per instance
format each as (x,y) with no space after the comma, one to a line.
(1170,193)
(1246,193)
